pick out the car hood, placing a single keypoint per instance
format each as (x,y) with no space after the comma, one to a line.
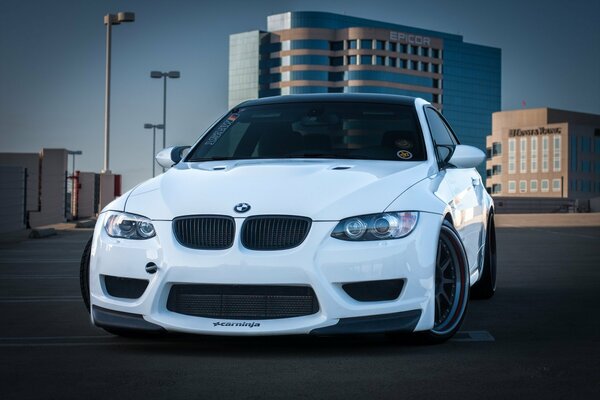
(319,189)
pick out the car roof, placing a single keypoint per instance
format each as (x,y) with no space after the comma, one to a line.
(332,97)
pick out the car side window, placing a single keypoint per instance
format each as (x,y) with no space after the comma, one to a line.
(440,133)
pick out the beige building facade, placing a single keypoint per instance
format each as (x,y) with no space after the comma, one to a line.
(544,152)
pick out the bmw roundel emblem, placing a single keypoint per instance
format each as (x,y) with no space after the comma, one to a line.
(241,207)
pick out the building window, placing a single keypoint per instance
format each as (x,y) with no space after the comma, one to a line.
(424,66)
(403,64)
(336,61)
(335,46)
(435,68)
(414,50)
(352,60)
(533,186)
(379,60)
(556,153)
(366,60)
(523,156)
(573,155)
(512,187)
(352,44)
(496,188)
(435,53)
(404,48)
(511,157)
(392,62)
(556,185)
(496,149)
(544,185)
(545,154)
(379,45)
(366,44)
(414,65)
(522,186)
(391,46)
(496,169)
(534,167)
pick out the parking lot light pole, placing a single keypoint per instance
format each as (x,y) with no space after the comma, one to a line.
(154,127)
(109,21)
(164,76)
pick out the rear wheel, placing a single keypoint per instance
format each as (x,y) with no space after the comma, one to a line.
(486,285)
(451,287)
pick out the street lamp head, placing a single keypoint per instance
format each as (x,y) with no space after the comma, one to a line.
(160,126)
(75,152)
(126,17)
(156,74)
(148,126)
(174,74)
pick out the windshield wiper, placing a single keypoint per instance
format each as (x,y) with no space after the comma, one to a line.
(216,158)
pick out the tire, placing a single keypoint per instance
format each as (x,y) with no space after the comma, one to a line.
(485,287)
(84,274)
(451,287)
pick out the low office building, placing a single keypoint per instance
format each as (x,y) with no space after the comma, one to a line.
(544,152)
(319,52)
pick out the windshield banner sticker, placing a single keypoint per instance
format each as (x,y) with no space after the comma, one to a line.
(216,135)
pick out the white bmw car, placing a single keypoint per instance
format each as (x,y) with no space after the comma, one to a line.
(319,214)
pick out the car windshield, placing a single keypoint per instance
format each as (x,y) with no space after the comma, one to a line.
(368,131)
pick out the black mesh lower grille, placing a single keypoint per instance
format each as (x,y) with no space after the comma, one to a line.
(274,232)
(127,288)
(242,301)
(205,232)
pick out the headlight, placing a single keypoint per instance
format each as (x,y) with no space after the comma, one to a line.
(128,226)
(384,226)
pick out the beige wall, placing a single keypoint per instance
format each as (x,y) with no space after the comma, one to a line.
(52,188)
(12,186)
(30,161)
(532,120)
(86,195)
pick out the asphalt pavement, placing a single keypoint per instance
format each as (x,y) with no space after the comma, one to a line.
(539,337)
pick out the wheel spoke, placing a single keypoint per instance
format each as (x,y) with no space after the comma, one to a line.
(445,265)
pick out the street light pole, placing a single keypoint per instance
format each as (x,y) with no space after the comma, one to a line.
(109,21)
(165,75)
(153,127)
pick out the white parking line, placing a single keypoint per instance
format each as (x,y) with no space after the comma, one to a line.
(39,299)
(473,336)
(38,261)
(33,276)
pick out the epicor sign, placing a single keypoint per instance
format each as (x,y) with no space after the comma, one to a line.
(410,38)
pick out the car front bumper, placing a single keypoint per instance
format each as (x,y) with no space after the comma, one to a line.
(321,262)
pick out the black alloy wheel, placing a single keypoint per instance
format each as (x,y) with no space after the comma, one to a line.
(451,286)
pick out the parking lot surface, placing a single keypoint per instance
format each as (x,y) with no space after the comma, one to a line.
(539,337)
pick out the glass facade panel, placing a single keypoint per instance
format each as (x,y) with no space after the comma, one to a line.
(523,156)
(366,44)
(511,155)
(545,151)
(533,185)
(557,154)
(534,152)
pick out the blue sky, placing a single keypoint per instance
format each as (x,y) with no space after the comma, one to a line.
(52,64)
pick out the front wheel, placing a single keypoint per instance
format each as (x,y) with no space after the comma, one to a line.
(451,286)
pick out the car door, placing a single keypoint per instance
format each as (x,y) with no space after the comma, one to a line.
(465,187)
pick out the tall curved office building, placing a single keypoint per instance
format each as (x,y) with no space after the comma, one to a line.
(317,52)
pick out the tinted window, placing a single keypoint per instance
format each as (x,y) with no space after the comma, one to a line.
(441,134)
(315,130)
